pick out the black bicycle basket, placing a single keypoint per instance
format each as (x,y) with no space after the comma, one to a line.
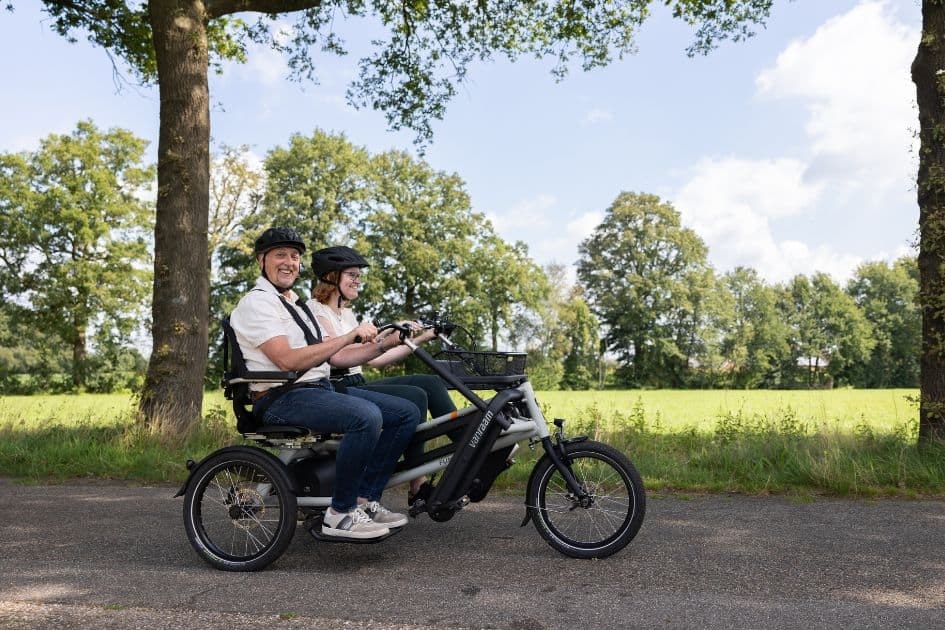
(485,370)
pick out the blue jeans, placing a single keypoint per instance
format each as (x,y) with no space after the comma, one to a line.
(426,391)
(376,429)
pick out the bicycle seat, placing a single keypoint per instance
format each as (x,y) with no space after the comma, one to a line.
(278,431)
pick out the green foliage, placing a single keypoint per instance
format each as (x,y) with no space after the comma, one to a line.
(73,241)
(418,230)
(582,361)
(643,273)
(887,296)
(563,344)
(412,71)
(509,285)
(828,335)
(754,336)
(319,184)
(26,365)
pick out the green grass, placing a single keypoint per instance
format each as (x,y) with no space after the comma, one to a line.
(840,442)
(842,409)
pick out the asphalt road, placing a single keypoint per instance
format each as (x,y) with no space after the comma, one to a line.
(115,556)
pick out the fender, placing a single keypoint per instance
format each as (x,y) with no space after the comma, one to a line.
(193,466)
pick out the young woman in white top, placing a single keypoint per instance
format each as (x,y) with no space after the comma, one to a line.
(339,270)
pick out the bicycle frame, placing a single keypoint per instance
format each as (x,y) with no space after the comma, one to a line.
(527,422)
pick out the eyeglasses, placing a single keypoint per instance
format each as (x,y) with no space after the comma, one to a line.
(354,275)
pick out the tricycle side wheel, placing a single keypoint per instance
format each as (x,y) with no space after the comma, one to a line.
(239,510)
(600,526)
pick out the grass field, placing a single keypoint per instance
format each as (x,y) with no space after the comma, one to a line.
(842,442)
(671,410)
(882,409)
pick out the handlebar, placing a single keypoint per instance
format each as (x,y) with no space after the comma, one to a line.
(436,323)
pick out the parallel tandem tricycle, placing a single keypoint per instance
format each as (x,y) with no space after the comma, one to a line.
(242,503)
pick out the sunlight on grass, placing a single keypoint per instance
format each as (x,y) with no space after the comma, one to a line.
(841,442)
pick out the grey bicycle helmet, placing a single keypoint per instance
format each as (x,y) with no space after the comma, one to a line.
(279,237)
(335,259)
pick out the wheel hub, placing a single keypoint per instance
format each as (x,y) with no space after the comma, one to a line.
(246,504)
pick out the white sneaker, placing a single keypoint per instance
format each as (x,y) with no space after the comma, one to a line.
(354,524)
(382,516)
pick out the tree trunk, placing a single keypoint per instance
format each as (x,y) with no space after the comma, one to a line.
(930,95)
(78,354)
(173,389)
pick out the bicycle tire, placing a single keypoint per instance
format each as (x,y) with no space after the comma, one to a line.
(239,510)
(616,511)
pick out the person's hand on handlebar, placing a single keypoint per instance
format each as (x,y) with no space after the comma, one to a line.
(365,332)
(426,333)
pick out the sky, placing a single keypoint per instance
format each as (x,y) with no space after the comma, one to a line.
(792,152)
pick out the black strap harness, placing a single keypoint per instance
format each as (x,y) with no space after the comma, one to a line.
(262,403)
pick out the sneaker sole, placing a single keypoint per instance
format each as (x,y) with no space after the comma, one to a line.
(360,535)
(398,523)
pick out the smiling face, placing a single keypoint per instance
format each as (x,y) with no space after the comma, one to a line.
(349,283)
(280,266)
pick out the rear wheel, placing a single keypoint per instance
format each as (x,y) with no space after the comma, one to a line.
(602,524)
(240,510)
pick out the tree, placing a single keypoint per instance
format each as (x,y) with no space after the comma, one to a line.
(886,294)
(419,230)
(581,362)
(508,282)
(927,71)
(754,342)
(73,237)
(560,335)
(697,338)
(829,334)
(639,268)
(236,192)
(28,363)
(319,185)
(411,76)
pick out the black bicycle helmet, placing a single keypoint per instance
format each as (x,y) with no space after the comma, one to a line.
(335,259)
(279,237)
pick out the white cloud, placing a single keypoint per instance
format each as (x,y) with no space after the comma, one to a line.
(853,76)
(596,116)
(536,221)
(801,214)
(526,214)
(731,202)
(264,65)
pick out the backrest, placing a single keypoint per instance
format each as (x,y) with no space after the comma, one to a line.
(235,382)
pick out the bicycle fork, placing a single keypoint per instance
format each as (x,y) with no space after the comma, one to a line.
(555,451)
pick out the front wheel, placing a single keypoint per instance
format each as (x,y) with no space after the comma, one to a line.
(607,520)
(239,510)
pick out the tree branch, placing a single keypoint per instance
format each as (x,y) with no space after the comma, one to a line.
(218,8)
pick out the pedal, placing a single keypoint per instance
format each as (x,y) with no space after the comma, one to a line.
(419,507)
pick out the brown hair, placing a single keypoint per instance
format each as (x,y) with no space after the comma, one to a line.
(325,288)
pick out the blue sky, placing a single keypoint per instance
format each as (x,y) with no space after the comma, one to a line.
(792,152)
